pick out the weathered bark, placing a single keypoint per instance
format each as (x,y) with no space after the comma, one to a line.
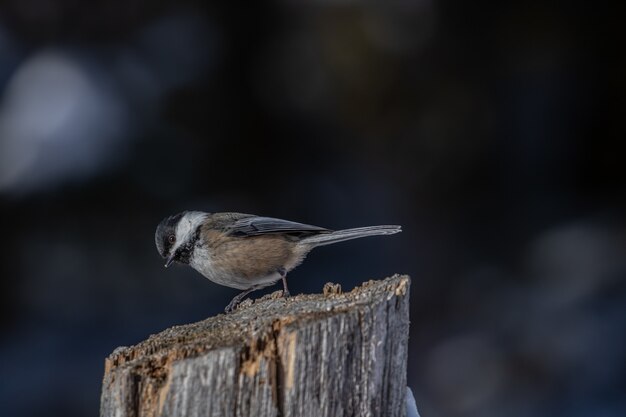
(333,354)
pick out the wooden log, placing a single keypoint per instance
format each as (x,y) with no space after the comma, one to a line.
(325,355)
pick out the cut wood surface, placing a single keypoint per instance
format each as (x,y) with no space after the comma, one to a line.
(323,355)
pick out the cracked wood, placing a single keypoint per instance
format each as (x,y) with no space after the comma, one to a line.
(323,355)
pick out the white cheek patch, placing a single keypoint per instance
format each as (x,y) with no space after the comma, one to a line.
(187,227)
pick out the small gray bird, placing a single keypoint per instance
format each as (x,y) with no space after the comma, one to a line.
(245,251)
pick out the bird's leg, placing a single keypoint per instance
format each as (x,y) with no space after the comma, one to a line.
(283,276)
(235,301)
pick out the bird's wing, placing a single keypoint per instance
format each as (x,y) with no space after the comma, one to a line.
(254,226)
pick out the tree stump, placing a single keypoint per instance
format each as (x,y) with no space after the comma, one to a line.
(324,355)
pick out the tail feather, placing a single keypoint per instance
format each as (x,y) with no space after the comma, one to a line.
(348,234)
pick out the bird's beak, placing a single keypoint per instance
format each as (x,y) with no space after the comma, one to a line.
(169,260)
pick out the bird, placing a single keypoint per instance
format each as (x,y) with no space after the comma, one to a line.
(245,251)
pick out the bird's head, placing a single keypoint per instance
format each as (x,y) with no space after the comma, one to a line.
(176,236)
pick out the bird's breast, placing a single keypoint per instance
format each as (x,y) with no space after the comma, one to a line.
(244,262)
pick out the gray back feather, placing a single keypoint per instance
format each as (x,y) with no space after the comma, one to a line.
(254,226)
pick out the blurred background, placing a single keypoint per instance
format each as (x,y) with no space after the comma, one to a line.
(493,133)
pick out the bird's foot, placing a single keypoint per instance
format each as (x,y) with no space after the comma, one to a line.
(235,302)
(231,306)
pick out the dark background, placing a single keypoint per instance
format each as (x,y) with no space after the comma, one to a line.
(493,133)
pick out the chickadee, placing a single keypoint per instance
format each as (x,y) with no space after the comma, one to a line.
(245,251)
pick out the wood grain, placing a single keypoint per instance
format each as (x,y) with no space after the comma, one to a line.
(324,355)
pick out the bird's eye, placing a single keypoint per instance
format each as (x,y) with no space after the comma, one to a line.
(171,238)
